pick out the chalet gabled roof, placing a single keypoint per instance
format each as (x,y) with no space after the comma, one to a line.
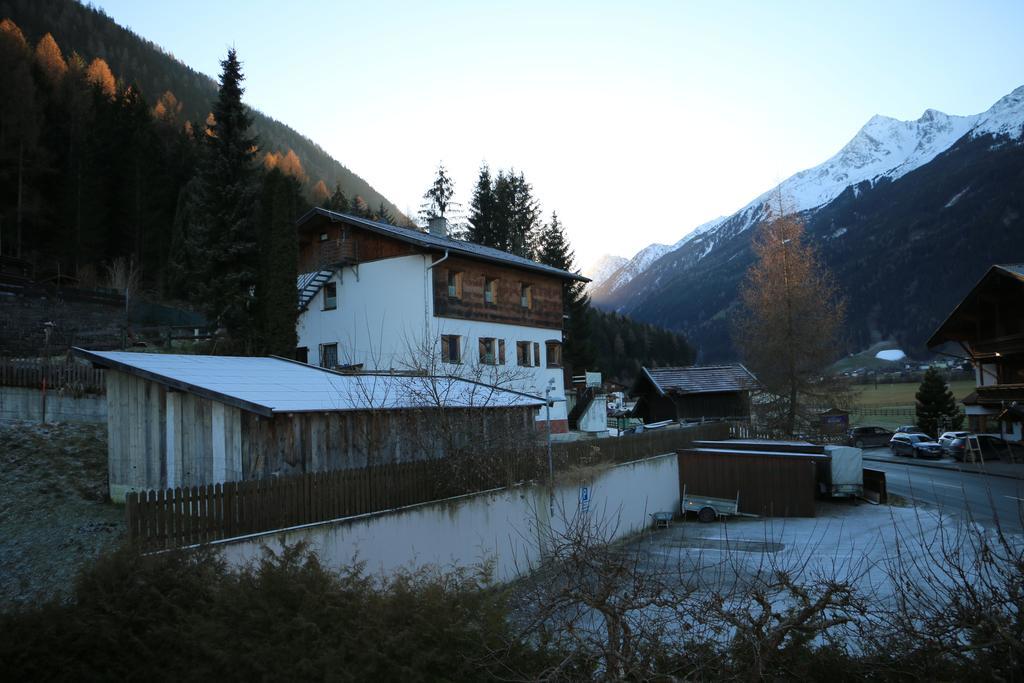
(700,380)
(268,385)
(437,243)
(960,324)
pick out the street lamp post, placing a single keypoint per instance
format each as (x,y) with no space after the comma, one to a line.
(551,465)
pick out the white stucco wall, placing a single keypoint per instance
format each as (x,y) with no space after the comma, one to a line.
(506,526)
(384,316)
(381,314)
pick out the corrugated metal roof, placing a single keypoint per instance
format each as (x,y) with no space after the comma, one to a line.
(699,380)
(429,241)
(272,385)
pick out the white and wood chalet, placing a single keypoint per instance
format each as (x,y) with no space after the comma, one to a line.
(381,297)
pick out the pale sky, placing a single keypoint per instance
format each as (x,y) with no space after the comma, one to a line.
(635,121)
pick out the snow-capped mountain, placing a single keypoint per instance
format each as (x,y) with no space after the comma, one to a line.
(907,215)
(884,148)
(626,270)
(602,268)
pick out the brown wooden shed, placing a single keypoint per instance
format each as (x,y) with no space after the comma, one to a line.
(184,420)
(773,478)
(693,393)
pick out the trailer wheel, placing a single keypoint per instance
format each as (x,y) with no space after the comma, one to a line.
(706,515)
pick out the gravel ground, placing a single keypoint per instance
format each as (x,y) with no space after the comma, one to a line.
(54,518)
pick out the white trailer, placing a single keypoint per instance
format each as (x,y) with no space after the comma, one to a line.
(846,472)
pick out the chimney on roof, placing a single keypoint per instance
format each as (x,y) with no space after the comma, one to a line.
(438,225)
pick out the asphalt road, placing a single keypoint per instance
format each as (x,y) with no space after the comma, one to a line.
(983,498)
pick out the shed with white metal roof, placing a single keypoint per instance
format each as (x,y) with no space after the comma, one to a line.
(187,420)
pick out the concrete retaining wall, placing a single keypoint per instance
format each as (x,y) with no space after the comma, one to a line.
(505,526)
(19,403)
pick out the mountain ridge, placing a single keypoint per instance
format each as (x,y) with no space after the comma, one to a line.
(692,288)
(92,33)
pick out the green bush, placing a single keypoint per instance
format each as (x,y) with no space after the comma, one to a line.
(187,616)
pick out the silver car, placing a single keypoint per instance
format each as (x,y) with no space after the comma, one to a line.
(947,438)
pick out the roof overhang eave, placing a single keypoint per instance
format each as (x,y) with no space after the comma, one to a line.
(427,246)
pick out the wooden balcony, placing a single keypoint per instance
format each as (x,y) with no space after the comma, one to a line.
(327,253)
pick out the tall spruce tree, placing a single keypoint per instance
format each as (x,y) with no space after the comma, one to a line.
(481,210)
(553,249)
(936,406)
(281,203)
(223,236)
(338,201)
(438,196)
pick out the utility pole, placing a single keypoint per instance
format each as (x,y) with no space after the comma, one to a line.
(551,465)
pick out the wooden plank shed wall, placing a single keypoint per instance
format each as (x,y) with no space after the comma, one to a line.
(210,442)
(769,485)
(305,442)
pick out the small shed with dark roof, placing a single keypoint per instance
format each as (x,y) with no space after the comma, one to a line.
(693,393)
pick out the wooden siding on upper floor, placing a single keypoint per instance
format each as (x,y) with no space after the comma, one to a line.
(347,244)
(546,311)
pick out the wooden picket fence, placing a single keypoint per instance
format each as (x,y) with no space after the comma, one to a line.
(199,514)
(187,516)
(59,375)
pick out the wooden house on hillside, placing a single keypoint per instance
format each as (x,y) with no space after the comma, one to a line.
(693,393)
(382,297)
(988,326)
(177,420)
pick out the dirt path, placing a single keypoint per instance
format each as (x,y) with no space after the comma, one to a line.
(53,516)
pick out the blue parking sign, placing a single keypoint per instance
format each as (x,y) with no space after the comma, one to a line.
(584,498)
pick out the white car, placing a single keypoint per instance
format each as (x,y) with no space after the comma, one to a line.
(947,438)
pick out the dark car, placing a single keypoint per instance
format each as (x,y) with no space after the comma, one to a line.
(865,437)
(992,448)
(915,446)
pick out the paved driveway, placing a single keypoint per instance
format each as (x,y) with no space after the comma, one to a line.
(984,498)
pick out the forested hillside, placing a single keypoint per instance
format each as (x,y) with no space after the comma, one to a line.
(623,346)
(98,139)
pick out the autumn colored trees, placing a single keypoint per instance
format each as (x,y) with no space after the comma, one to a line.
(789,326)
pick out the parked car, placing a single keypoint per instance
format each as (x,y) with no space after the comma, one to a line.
(908,429)
(947,438)
(866,437)
(993,447)
(915,446)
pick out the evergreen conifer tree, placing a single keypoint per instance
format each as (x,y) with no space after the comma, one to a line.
(438,195)
(553,249)
(481,210)
(936,406)
(338,201)
(281,203)
(383,215)
(223,236)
